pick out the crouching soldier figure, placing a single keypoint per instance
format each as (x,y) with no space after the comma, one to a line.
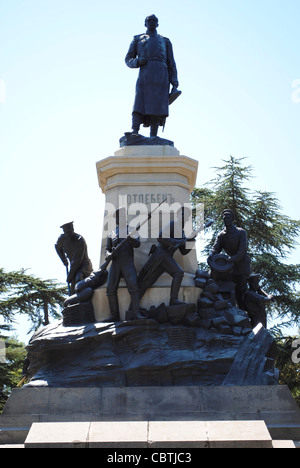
(171,238)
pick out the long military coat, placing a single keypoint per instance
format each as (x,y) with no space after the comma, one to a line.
(155,77)
(234,242)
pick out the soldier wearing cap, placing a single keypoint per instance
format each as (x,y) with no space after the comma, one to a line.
(72,248)
(233,240)
(122,265)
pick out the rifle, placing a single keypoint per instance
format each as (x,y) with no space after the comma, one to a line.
(173,248)
(98,278)
(155,260)
(69,288)
(22,381)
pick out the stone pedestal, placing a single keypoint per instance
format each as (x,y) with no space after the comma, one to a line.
(142,177)
(272,404)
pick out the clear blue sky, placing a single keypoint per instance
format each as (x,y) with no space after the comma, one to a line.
(66,97)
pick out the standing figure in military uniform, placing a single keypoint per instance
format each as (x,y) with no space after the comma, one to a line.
(255,302)
(233,240)
(122,265)
(72,248)
(153,55)
(171,238)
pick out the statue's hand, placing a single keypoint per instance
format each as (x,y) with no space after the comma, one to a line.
(142,61)
(108,255)
(270,298)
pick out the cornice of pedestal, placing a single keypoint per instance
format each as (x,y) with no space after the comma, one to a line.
(151,160)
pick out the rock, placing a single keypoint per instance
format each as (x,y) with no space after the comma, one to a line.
(159,313)
(237,331)
(209,313)
(192,319)
(143,352)
(176,313)
(212,287)
(209,295)
(202,274)
(205,303)
(200,282)
(254,361)
(237,317)
(220,304)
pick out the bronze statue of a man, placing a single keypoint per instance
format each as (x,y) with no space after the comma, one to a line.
(233,240)
(71,248)
(122,265)
(255,301)
(153,55)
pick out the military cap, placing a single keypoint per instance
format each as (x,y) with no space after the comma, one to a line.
(66,224)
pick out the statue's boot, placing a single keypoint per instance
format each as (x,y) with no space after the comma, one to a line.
(176,283)
(153,130)
(135,304)
(114,307)
(136,122)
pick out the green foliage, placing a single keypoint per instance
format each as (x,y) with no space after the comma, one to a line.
(289,370)
(38,299)
(272,235)
(11,369)
(21,293)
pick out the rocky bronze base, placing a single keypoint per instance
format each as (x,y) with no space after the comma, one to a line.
(144,352)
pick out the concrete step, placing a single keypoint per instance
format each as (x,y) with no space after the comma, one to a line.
(272,404)
(12,446)
(284,431)
(283,444)
(13,435)
(150,434)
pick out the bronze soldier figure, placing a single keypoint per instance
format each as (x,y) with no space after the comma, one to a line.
(162,260)
(71,248)
(153,55)
(255,302)
(233,241)
(122,265)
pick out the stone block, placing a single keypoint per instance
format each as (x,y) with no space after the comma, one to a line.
(28,401)
(177,434)
(150,434)
(65,400)
(139,402)
(118,434)
(58,435)
(238,434)
(286,444)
